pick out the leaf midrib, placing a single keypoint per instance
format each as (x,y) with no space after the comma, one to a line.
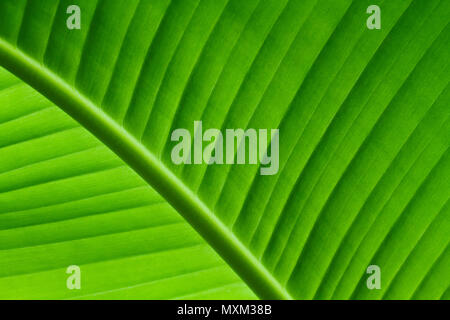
(152,170)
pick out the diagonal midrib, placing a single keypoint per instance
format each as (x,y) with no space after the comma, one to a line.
(149,167)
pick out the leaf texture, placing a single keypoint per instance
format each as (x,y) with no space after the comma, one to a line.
(363,118)
(66,199)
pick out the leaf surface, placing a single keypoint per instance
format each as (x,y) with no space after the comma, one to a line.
(66,199)
(363,118)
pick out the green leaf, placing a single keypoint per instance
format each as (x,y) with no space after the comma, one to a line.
(363,118)
(68,200)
